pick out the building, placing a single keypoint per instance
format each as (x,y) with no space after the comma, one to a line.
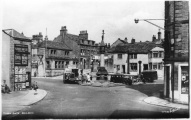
(50,58)
(176,59)
(135,57)
(16,62)
(119,41)
(82,48)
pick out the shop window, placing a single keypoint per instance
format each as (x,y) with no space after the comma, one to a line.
(184,79)
(119,56)
(133,66)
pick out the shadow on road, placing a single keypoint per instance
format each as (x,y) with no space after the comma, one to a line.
(150,89)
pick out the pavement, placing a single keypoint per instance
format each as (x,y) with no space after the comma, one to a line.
(165,103)
(18,100)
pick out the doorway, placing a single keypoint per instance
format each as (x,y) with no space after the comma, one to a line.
(123,67)
(167,72)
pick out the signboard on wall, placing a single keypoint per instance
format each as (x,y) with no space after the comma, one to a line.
(21,54)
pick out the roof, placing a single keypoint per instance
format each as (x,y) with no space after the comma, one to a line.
(52,44)
(67,37)
(137,47)
(13,33)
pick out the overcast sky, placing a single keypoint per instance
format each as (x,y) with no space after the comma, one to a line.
(116,17)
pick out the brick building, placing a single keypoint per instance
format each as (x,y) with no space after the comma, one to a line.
(16,59)
(176,51)
(82,48)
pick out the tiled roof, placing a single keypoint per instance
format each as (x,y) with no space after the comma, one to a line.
(15,34)
(138,47)
(52,44)
(67,37)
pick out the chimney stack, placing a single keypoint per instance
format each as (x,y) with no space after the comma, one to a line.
(159,35)
(126,40)
(83,35)
(63,31)
(153,38)
(132,40)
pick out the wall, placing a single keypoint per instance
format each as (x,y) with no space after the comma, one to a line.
(6,58)
(140,57)
(120,62)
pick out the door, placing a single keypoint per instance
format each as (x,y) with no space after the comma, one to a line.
(123,66)
(167,81)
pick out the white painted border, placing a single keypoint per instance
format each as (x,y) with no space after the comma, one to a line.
(182,97)
(169,81)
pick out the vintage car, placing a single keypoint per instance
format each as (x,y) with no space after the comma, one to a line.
(71,76)
(149,76)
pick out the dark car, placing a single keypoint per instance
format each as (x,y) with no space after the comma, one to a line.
(71,77)
(149,76)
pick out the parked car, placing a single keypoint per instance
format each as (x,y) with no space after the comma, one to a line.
(71,76)
(149,76)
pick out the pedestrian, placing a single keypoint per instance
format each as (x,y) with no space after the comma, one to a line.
(88,78)
(5,88)
(35,88)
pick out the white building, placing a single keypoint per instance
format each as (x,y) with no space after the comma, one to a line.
(135,57)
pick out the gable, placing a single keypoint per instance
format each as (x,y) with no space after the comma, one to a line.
(157,49)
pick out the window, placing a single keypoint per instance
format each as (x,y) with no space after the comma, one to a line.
(154,66)
(155,55)
(56,64)
(47,64)
(160,54)
(145,66)
(150,66)
(133,56)
(119,56)
(118,67)
(159,66)
(133,66)
(184,79)
(66,52)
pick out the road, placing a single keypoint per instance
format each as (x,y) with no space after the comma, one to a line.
(76,101)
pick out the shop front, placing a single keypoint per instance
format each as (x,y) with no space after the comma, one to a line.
(22,71)
(177,82)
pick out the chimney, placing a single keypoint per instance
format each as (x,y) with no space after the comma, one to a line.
(132,40)
(83,35)
(63,31)
(119,39)
(126,40)
(154,38)
(159,35)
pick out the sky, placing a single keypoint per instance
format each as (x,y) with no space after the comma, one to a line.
(115,17)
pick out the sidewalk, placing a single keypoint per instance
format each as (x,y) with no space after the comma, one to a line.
(20,99)
(165,103)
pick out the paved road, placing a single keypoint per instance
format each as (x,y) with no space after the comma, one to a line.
(75,101)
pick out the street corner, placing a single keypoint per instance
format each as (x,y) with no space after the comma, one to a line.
(36,96)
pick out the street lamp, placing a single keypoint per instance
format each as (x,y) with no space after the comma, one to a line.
(148,20)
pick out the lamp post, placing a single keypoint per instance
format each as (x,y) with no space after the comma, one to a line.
(148,20)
